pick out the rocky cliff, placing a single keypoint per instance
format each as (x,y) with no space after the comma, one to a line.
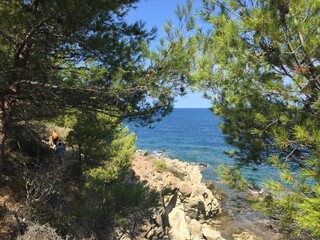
(188,206)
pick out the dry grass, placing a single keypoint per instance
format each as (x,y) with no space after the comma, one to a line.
(36,231)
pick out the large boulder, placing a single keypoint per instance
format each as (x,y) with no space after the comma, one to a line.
(195,229)
(178,225)
(185,189)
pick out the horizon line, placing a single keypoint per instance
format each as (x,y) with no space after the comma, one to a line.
(191,107)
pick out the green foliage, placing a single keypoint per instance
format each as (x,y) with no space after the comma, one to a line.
(161,165)
(309,214)
(77,56)
(118,159)
(107,148)
(255,79)
(119,204)
(233,177)
(256,62)
(132,197)
(289,206)
(106,199)
(80,65)
(177,173)
(62,130)
(312,171)
(122,149)
(91,134)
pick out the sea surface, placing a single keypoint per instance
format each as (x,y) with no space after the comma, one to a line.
(193,135)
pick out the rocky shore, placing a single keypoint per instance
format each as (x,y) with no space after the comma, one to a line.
(189,209)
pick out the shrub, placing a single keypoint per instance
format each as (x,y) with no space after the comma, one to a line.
(161,165)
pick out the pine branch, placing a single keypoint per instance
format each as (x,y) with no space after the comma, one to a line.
(7,37)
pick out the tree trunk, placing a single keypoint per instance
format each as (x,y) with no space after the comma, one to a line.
(80,153)
(5,126)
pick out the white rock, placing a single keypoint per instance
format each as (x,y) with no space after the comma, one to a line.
(179,228)
(210,234)
(195,228)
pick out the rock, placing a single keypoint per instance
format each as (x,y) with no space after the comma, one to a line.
(171,182)
(179,228)
(155,219)
(185,189)
(143,153)
(186,201)
(159,153)
(211,204)
(244,236)
(210,234)
(125,237)
(201,203)
(195,229)
(198,190)
(151,233)
(194,207)
(194,175)
(204,165)
(158,177)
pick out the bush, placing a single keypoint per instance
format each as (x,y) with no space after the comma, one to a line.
(116,205)
(161,165)
(92,134)
(128,198)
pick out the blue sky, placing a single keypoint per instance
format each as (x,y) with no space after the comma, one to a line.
(155,13)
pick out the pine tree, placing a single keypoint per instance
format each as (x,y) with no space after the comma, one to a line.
(58,56)
(258,62)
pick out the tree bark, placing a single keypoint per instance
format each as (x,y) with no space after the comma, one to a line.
(80,153)
(6,121)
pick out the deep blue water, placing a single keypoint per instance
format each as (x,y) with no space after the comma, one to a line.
(193,135)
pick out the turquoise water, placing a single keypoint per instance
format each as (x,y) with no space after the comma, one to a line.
(193,135)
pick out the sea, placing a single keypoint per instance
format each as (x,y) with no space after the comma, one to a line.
(193,135)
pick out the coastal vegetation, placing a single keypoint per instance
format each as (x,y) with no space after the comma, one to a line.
(161,165)
(79,67)
(67,58)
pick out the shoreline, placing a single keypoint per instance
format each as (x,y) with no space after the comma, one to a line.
(237,220)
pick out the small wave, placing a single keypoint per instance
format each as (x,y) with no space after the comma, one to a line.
(160,153)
